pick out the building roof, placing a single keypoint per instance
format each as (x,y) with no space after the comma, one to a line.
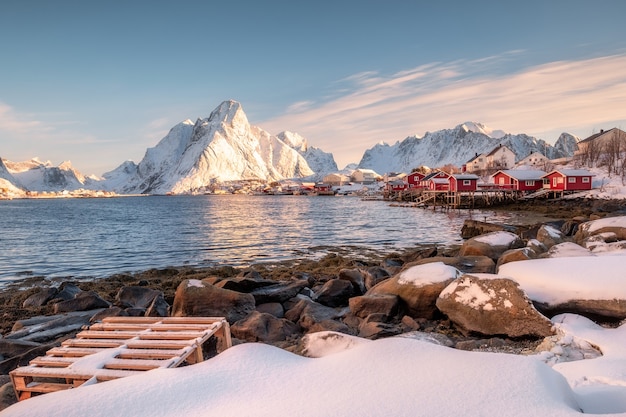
(572,173)
(523,174)
(493,152)
(475,157)
(596,135)
(434,174)
(439,180)
(466,177)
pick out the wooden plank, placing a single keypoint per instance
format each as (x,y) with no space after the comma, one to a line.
(144,334)
(67,351)
(93,343)
(152,353)
(138,364)
(155,327)
(53,361)
(159,344)
(46,387)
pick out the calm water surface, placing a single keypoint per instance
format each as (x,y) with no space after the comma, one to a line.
(100,237)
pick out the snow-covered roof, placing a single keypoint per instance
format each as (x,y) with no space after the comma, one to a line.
(572,172)
(523,174)
(465,176)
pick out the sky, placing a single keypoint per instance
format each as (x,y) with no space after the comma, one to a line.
(97,83)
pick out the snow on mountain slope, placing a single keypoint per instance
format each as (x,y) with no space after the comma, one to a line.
(457,146)
(319,161)
(222,147)
(35,175)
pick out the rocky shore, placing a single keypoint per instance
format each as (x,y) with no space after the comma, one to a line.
(280,303)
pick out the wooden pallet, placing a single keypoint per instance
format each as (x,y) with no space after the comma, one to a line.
(119,347)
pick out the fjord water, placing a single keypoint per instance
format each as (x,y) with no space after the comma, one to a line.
(100,237)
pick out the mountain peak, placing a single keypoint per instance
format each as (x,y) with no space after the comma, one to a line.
(229,112)
(477,127)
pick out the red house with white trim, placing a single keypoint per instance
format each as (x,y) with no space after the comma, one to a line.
(414,179)
(437,181)
(463,182)
(568,180)
(519,179)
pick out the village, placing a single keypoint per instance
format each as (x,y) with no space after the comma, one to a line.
(490,178)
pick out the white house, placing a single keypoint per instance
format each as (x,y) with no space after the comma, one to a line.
(365,176)
(336,179)
(535,159)
(501,158)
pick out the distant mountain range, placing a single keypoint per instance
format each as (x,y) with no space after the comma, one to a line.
(225,147)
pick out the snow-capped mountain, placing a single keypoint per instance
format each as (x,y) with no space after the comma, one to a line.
(319,161)
(35,175)
(457,146)
(222,147)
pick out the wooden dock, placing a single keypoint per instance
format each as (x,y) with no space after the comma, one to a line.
(119,347)
(454,199)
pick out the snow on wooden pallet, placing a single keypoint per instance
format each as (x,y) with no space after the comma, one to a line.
(119,347)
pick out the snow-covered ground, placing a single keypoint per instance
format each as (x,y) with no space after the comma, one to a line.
(398,376)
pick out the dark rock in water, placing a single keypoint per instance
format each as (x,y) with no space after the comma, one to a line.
(135,296)
(279,293)
(86,300)
(262,327)
(40,298)
(197,298)
(335,293)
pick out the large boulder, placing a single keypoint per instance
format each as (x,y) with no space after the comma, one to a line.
(550,235)
(263,327)
(591,286)
(246,283)
(492,245)
(40,298)
(418,287)
(492,306)
(197,298)
(566,250)
(613,228)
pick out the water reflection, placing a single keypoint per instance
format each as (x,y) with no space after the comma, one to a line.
(99,237)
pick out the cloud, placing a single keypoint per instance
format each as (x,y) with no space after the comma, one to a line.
(13,122)
(556,96)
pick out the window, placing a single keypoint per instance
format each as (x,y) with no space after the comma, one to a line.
(530,183)
(586,180)
(571,180)
(501,180)
(467,182)
(559,180)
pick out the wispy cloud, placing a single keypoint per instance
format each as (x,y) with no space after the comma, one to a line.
(557,96)
(13,122)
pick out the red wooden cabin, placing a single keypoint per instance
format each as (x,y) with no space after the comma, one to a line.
(525,180)
(568,180)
